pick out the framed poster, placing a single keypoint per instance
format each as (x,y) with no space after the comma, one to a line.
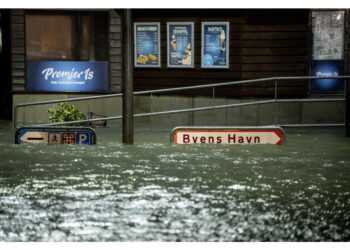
(67,76)
(147,44)
(328,35)
(327,51)
(327,68)
(215,45)
(180,44)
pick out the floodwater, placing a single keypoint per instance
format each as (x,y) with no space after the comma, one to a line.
(156,191)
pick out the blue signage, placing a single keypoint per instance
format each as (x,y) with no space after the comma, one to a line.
(215,46)
(147,44)
(67,76)
(51,135)
(327,68)
(180,45)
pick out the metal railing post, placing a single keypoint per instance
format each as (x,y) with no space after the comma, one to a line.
(213,102)
(88,111)
(151,117)
(24,115)
(275,111)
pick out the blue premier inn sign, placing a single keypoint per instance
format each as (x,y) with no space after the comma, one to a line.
(327,68)
(215,47)
(67,76)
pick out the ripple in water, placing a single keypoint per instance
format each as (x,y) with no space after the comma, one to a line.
(155,191)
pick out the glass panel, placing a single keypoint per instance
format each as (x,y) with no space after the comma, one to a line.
(328,35)
(49,37)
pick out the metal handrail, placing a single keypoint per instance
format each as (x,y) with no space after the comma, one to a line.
(213,85)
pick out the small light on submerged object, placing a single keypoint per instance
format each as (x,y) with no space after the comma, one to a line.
(338,16)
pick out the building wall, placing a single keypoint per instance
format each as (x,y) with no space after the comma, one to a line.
(263,43)
(18,48)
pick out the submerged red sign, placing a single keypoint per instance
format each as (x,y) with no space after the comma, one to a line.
(227,136)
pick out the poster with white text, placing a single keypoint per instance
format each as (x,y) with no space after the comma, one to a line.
(147,44)
(180,45)
(215,44)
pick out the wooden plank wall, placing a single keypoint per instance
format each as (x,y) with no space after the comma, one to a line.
(263,43)
(18,54)
(115,51)
(18,50)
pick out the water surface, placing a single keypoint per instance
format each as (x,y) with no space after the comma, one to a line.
(157,191)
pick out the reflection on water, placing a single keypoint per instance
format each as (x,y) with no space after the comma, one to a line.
(156,191)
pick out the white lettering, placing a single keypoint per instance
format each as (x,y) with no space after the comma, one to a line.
(180,30)
(47,72)
(326,74)
(217,29)
(69,75)
(147,28)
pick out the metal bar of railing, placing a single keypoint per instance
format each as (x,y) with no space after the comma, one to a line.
(170,90)
(311,125)
(166,112)
(181,88)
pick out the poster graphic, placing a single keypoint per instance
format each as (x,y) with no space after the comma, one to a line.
(180,45)
(215,44)
(147,44)
(67,76)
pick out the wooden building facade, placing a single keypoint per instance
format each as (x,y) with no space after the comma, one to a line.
(262,43)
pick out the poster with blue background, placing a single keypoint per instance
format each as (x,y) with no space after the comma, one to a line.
(180,45)
(327,51)
(147,44)
(215,44)
(67,76)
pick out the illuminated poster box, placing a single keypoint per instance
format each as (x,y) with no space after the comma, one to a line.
(67,76)
(215,44)
(147,44)
(180,45)
(327,51)
(327,68)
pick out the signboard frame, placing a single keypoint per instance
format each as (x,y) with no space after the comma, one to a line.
(67,76)
(55,130)
(157,24)
(227,45)
(169,65)
(321,63)
(236,129)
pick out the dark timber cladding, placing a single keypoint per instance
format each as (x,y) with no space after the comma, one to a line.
(18,50)
(18,47)
(263,43)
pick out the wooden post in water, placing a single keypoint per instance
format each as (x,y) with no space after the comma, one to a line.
(128,76)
